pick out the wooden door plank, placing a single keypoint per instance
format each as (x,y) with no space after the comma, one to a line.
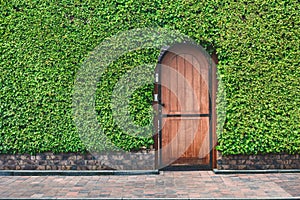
(204,144)
(173,84)
(204,91)
(190,134)
(189,85)
(197,86)
(181,84)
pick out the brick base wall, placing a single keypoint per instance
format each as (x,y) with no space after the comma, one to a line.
(258,162)
(75,161)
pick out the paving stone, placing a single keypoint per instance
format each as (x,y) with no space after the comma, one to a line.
(195,184)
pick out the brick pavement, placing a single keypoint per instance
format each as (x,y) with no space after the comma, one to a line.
(191,184)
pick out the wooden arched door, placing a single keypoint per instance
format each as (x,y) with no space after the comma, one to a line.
(184,100)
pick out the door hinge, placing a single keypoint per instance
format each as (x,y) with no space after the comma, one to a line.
(156,77)
(155,97)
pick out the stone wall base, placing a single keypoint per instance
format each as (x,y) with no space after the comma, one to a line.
(79,161)
(258,162)
(137,161)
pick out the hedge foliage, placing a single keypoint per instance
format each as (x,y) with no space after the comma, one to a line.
(44,43)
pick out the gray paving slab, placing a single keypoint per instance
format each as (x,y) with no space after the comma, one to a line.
(190,184)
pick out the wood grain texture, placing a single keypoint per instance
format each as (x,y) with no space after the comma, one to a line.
(185,91)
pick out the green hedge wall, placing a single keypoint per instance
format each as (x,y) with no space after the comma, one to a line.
(44,43)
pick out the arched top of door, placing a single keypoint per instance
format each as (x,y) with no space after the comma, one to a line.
(188,48)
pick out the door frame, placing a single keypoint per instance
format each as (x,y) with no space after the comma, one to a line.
(212,61)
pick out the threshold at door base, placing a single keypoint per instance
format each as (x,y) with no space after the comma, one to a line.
(186,168)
